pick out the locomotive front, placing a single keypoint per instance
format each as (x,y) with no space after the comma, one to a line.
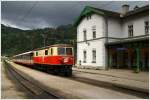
(65,55)
(58,58)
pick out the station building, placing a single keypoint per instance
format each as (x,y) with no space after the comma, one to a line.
(107,39)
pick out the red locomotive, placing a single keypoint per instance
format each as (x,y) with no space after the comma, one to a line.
(55,58)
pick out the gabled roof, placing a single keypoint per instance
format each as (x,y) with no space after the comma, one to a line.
(89,10)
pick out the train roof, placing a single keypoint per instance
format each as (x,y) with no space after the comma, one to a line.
(55,45)
(23,53)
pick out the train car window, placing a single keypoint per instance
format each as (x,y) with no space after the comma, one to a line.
(31,54)
(46,52)
(61,51)
(51,51)
(36,53)
(68,51)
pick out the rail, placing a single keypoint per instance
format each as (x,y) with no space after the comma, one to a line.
(35,90)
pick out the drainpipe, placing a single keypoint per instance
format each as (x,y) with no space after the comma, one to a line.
(106,41)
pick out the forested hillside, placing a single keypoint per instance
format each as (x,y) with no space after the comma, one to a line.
(16,41)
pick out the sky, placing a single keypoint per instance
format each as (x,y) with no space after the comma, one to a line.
(40,14)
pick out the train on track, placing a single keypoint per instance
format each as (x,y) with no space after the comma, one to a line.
(58,58)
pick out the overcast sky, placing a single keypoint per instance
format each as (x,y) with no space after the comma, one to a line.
(40,14)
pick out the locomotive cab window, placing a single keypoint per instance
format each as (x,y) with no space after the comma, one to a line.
(46,52)
(61,51)
(68,51)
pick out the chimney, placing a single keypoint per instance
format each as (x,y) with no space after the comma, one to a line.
(125,9)
(136,7)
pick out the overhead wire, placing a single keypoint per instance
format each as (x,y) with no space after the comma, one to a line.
(22,18)
(29,11)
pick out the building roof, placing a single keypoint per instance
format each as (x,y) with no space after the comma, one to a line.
(129,40)
(137,10)
(89,10)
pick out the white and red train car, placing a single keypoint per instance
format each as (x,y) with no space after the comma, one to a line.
(57,58)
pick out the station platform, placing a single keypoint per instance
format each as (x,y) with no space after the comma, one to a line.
(120,77)
(10,89)
(68,88)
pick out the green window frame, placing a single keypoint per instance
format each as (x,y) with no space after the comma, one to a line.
(36,53)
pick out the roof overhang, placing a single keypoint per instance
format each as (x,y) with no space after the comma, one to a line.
(129,40)
(87,10)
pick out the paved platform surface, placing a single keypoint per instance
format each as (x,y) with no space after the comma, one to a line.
(68,88)
(123,78)
(9,89)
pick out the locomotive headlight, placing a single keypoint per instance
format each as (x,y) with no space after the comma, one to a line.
(66,60)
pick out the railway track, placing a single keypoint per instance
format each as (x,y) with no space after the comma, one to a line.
(36,91)
(100,84)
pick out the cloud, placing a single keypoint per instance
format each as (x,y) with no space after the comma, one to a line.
(52,13)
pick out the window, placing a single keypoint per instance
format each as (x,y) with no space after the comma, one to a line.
(94,56)
(94,32)
(51,51)
(130,30)
(84,33)
(84,56)
(61,51)
(146,27)
(46,52)
(88,17)
(68,51)
(36,53)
